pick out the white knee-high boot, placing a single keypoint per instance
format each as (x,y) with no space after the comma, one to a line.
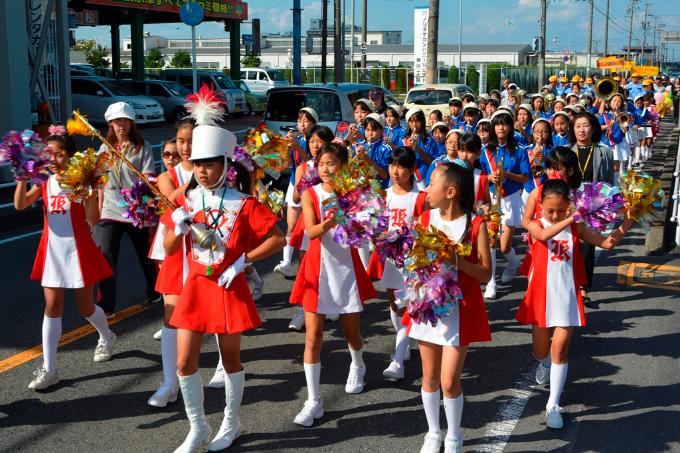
(231,425)
(167,392)
(199,430)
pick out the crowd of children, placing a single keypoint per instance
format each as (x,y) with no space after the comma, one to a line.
(444,172)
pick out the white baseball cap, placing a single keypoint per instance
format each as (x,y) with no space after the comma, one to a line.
(119,110)
(437,124)
(212,141)
(312,112)
(376,116)
(411,112)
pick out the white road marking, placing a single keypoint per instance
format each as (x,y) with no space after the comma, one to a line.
(21,236)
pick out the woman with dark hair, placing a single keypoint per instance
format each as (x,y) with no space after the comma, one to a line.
(108,233)
(596,163)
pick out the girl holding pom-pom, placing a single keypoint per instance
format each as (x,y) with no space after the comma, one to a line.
(67,258)
(443,347)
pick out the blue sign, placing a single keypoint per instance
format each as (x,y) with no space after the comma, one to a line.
(191,13)
(247,40)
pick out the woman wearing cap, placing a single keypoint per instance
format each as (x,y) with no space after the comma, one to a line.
(376,151)
(306,120)
(108,233)
(536,153)
(455,117)
(227,230)
(394,132)
(377,97)
(523,124)
(471,115)
(614,132)
(502,149)
(643,121)
(560,124)
(538,106)
(596,163)
(416,139)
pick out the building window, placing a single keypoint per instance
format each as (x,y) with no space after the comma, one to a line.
(208,64)
(215,44)
(374,42)
(128,46)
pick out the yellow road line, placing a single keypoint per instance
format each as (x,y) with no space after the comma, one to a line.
(626,275)
(69,337)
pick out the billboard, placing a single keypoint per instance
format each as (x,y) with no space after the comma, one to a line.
(420,18)
(224,9)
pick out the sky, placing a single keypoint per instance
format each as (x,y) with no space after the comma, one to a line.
(484,21)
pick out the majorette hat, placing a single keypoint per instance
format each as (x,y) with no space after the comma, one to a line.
(209,140)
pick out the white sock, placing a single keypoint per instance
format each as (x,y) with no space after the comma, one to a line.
(313,378)
(512,259)
(51,333)
(431,406)
(396,322)
(169,357)
(558,376)
(545,361)
(99,321)
(637,155)
(357,359)
(453,408)
(288,251)
(492,280)
(402,343)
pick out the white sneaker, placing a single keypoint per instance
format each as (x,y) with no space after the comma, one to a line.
(490,291)
(163,396)
(332,318)
(509,273)
(298,321)
(312,410)
(43,379)
(217,381)
(355,379)
(453,445)
(284,269)
(432,443)
(553,418)
(158,334)
(104,349)
(542,374)
(395,370)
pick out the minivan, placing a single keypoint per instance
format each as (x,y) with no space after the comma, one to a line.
(435,97)
(233,96)
(260,80)
(170,95)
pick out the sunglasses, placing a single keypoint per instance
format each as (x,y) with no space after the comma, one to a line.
(169,155)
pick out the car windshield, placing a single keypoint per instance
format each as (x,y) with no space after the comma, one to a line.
(276,75)
(429,97)
(177,89)
(224,82)
(118,89)
(285,105)
(242,85)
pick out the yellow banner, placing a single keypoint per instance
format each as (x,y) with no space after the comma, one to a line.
(610,63)
(648,71)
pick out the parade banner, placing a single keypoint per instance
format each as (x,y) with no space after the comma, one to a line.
(646,71)
(420,18)
(225,9)
(611,63)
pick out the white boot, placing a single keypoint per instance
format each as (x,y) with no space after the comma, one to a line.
(231,425)
(199,432)
(167,392)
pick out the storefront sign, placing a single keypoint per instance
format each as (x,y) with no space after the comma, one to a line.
(225,9)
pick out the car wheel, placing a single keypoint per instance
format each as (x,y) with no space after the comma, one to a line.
(179,113)
(249,109)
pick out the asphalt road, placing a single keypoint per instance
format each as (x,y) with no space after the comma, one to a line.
(622,392)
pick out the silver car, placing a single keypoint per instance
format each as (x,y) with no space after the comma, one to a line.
(93,95)
(171,95)
(233,96)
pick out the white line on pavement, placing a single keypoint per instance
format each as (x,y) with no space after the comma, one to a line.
(498,433)
(21,236)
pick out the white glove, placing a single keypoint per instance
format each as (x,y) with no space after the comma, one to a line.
(232,271)
(182,219)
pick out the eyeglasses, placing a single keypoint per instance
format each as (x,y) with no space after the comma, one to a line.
(169,155)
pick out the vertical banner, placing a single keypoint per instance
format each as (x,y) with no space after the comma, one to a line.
(420,18)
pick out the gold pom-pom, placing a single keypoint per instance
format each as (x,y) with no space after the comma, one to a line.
(84,173)
(77,125)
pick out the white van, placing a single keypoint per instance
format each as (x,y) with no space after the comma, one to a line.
(260,80)
(233,96)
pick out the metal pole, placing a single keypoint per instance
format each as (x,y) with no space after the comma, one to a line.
(351,46)
(63,68)
(324,38)
(631,10)
(590,37)
(194,73)
(297,45)
(460,40)
(431,70)
(541,50)
(337,45)
(644,35)
(364,31)
(606,29)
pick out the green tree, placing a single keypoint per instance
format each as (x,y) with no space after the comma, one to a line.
(452,76)
(400,78)
(472,77)
(251,61)
(97,57)
(154,59)
(493,76)
(181,59)
(124,64)
(84,45)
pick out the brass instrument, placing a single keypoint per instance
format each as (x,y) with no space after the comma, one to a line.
(519,95)
(537,168)
(549,101)
(493,216)
(606,88)
(624,119)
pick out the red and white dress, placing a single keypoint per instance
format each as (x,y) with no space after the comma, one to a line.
(332,279)
(468,322)
(243,223)
(557,272)
(402,208)
(175,268)
(67,256)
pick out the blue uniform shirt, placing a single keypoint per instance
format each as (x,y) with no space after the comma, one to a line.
(559,140)
(616,135)
(531,183)
(455,121)
(634,89)
(420,163)
(302,141)
(439,160)
(516,162)
(380,153)
(394,134)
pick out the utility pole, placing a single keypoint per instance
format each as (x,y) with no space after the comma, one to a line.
(460,42)
(324,39)
(338,69)
(541,47)
(631,11)
(351,46)
(590,37)
(644,35)
(364,25)
(431,70)
(606,29)
(297,44)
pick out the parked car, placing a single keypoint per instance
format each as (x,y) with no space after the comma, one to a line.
(171,95)
(255,102)
(233,96)
(93,95)
(88,69)
(333,103)
(434,97)
(260,80)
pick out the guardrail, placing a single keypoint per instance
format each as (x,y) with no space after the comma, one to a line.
(157,163)
(676,196)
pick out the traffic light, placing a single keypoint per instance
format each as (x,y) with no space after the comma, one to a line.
(535,45)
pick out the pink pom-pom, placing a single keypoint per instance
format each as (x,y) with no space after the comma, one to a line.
(56,129)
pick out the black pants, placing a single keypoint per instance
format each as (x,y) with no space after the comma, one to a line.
(107,235)
(676,103)
(588,252)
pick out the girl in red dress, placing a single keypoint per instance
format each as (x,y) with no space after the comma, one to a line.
(443,347)
(552,304)
(226,230)
(67,258)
